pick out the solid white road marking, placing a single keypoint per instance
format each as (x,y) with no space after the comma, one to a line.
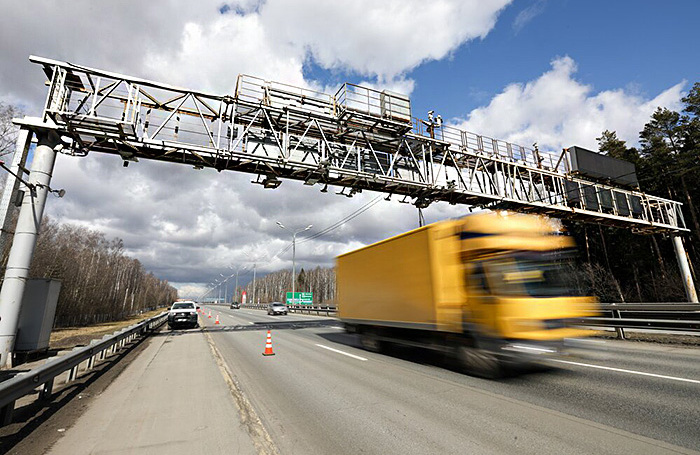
(341,352)
(641,373)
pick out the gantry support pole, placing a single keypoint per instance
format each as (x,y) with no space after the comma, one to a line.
(24,241)
(686,276)
(12,184)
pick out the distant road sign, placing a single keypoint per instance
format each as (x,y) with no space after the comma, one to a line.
(300,298)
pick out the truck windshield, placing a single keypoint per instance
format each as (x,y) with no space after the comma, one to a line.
(528,274)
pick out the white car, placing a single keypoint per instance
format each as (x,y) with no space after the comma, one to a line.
(183,313)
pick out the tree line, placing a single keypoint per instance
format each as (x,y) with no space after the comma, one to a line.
(619,266)
(274,286)
(99,282)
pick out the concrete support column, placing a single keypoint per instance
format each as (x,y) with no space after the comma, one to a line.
(12,184)
(24,241)
(687,277)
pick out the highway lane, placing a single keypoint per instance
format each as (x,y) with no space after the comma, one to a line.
(321,393)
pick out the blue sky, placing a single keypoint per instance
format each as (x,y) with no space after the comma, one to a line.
(644,46)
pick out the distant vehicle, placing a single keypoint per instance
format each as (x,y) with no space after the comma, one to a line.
(183,314)
(488,290)
(277,308)
(235,305)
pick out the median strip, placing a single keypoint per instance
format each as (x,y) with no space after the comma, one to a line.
(341,352)
(641,373)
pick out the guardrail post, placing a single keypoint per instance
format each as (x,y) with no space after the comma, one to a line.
(72,374)
(6,413)
(46,391)
(619,330)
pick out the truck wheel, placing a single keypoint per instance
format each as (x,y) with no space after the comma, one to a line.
(479,362)
(370,342)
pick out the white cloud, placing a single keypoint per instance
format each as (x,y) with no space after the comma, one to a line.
(556,110)
(526,15)
(383,38)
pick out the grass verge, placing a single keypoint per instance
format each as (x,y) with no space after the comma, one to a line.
(70,337)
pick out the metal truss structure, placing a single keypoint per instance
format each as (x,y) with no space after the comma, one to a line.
(358,139)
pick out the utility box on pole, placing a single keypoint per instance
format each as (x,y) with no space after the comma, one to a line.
(37,316)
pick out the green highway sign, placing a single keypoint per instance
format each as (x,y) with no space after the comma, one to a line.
(300,298)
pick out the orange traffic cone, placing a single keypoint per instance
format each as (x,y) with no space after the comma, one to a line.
(209,314)
(268,345)
(217,319)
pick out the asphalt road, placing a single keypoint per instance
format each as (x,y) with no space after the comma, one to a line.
(321,393)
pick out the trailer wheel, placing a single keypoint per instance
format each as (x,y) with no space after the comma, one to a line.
(479,362)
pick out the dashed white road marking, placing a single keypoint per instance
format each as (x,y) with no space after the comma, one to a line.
(341,352)
(620,370)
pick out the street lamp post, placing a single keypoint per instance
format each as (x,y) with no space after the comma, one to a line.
(294,252)
(234,296)
(254,265)
(225,283)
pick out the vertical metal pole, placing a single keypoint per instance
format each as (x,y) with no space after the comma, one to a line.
(226,290)
(294,267)
(254,265)
(23,244)
(235,290)
(12,185)
(690,292)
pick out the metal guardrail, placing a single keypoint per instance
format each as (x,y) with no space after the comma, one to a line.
(302,309)
(681,316)
(677,317)
(306,309)
(43,376)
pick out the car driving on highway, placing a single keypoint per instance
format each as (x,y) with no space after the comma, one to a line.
(277,308)
(235,305)
(182,314)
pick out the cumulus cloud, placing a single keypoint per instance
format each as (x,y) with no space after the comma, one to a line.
(556,110)
(379,38)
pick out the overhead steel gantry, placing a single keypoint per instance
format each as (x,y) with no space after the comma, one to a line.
(358,139)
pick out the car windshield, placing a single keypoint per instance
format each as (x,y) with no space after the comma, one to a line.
(277,305)
(528,274)
(183,306)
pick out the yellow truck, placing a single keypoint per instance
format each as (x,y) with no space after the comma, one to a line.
(486,289)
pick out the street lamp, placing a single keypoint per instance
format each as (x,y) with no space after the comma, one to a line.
(225,283)
(235,289)
(294,252)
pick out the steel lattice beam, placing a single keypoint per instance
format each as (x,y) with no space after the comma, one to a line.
(275,130)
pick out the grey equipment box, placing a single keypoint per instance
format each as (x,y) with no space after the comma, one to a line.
(37,316)
(602,167)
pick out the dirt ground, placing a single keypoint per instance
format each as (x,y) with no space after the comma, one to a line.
(663,338)
(70,337)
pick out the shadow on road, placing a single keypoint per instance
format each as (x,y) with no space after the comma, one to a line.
(424,356)
(274,325)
